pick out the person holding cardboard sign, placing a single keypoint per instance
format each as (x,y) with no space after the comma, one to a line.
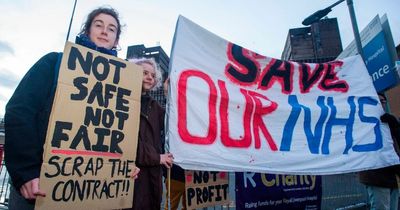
(150,151)
(28,110)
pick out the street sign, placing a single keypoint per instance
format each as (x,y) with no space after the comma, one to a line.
(377,54)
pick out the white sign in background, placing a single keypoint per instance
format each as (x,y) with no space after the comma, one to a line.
(206,108)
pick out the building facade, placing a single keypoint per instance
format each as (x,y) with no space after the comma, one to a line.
(317,43)
(393,94)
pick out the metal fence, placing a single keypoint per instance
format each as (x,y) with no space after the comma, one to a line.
(4,184)
(343,191)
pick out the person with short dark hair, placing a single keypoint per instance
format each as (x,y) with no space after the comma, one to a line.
(381,184)
(28,110)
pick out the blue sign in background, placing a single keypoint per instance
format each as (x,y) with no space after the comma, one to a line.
(379,64)
(272,191)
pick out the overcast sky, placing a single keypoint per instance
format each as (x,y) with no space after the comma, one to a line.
(31,28)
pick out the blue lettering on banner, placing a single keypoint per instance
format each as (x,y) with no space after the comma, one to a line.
(378,140)
(328,118)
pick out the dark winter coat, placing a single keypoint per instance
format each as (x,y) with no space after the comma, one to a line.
(385,177)
(26,120)
(148,186)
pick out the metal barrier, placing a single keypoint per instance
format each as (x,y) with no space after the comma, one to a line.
(4,183)
(343,191)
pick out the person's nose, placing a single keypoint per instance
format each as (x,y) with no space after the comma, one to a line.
(147,77)
(104,31)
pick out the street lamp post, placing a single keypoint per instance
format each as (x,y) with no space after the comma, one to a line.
(318,15)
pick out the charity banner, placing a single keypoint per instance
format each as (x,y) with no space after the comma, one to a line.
(91,141)
(231,109)
(206,189)
(277,191)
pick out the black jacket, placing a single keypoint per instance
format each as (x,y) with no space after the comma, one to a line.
(26,119)
(148,186)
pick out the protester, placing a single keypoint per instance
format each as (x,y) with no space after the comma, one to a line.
(381,184)
(150,155)
(28,110)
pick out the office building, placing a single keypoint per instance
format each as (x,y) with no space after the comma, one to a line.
(317,43)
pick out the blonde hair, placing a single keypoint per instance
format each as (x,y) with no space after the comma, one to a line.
(152,62)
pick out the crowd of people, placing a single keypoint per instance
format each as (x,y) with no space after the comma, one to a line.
(27,117)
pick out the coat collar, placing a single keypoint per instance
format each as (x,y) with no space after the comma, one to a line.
(84,40)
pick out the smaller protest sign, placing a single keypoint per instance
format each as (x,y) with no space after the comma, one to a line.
(206,188)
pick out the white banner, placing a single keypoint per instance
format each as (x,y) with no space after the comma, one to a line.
(231,109)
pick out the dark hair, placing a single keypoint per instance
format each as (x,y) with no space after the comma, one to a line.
(101,10)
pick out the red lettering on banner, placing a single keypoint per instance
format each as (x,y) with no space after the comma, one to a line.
(182,109)
(258,122)
(277,71)
(245,141)
(244,69)
(254,111)
(308,78)
(330,81)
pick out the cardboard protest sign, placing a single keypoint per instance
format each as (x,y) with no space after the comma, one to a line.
(206,188)
(277,191)
(232,109)
(92,134)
